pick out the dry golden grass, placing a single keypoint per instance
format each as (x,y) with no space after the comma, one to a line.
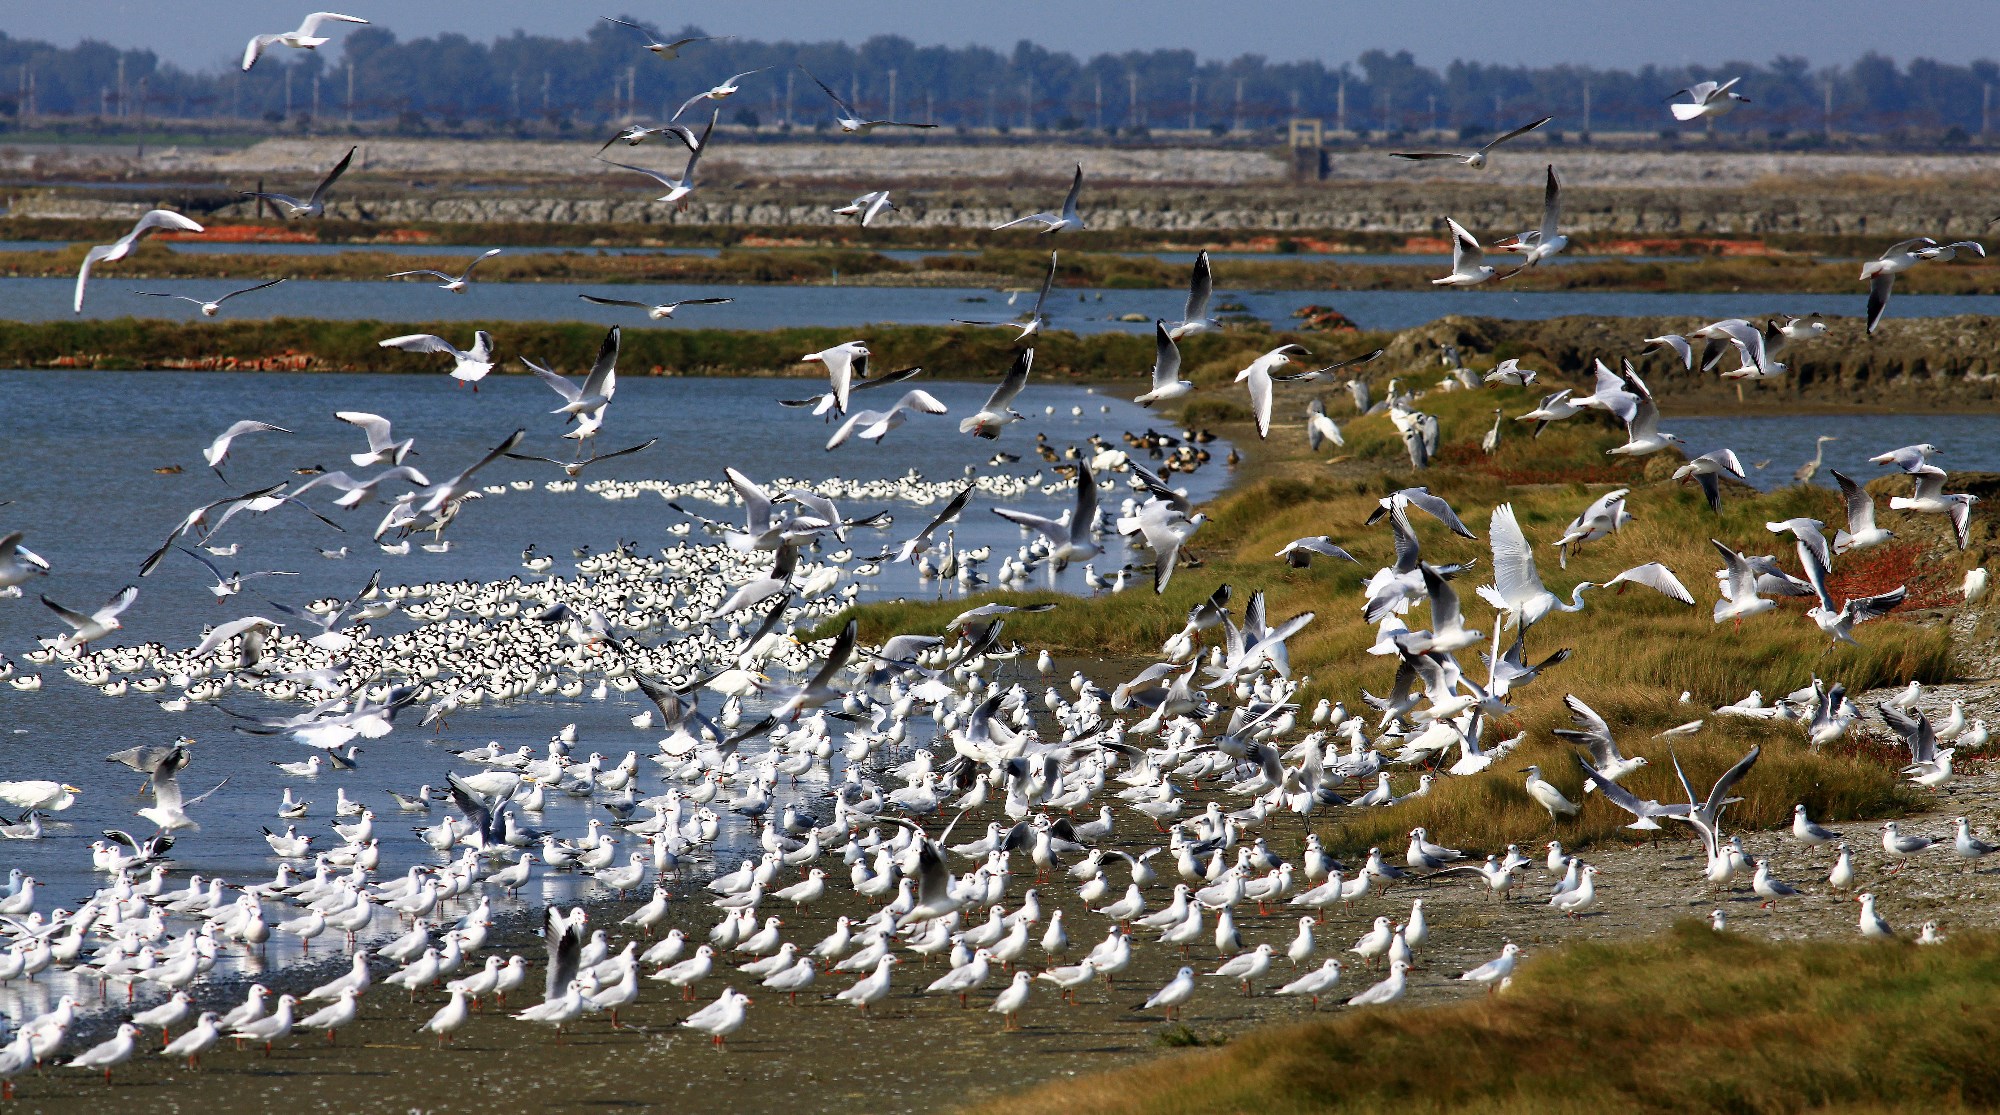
(1634,653)
(1689,1021)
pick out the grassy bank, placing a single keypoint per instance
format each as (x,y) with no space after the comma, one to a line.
(1634,654)
(1022,266)
(1689,1021)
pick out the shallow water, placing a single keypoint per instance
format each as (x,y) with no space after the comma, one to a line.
(773,307)
(95,514)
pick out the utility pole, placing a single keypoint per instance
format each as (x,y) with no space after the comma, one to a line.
(121,85)
(930,106)
(142,117)
(789,75)
(892,93)
(1100,101)
(350,93)
(1986,108)
(1194,95)
(1586,108)
(992,103)
(1237,124)
(1434,113)
(545,91)
(1826,116)
(1340,104)
(288,93)
(1028,104)
(1132,119)
(315,111)
(513,96)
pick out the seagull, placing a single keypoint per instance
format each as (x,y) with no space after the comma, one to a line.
(1707,471)
(1929,497)
(720,93)
(1544,242)
(874,425)
(315,204)
(383,449)
(1839,621)
(635,134)
(852,122)
(1517,586)
(1065,221)
(169,809)
(120,248)
(1495,970)
(1861,532)
(587,401)
(1167,381)
(1298,553)
(1176,993)
(1880,273)
(840,362)
(1642,430)
(217,451)
(17,562)
(677,188)
(657,312)
(999,410)
(1739,589)
(1258,374)
(209,308)
(668,51)
(469,365)
(89,628)
(1552,408)
(1468,260)
(1069,541)
(1036,320)
(576,467)
(1709,99)
(867,207)
(1320,428)
(307,37)
(1476,159)
(456,284)
(1201,286)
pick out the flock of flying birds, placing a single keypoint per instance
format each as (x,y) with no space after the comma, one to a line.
(876,826)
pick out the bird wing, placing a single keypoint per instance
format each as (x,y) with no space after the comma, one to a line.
(1860,505)
(1435,506)
(647,444)
(616,302)
(1816,576)
(1551,198)
(1201,285)
(1166,355)
(1718,796)
(1465,250)
(855,420)
(1075,188)
(247,290)
(1520,131)
(1260,396)
(1864,608)
(421,342)
(1052,529)
(1016,378)
(374,426)
(310,27)
(951,510)
(602,382)
(1657,577)
(653,174)
(1443,600)
(1048,281)
(698,302)
(1878,297)
(1591,731)
(836,658)
(485,255)
(425,271)
(1513,561)
(1424,155)
(332,176)
(1086,504)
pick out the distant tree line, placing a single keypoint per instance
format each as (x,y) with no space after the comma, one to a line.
(537,83)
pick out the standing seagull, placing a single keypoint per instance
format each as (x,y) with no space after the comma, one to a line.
(1710,99)
(1468,260)
(454,283)
(668,51)
(677,188)
(1544,242)
(1476,159)
(122,247)
(470,365)
(307,37)
(852,122)
(209,308)
(1037,319)
(315,205)
(1065,221)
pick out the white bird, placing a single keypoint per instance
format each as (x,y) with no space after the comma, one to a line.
(722,92)
(1494,970)
(1009,1002)
(852,122)
(1201,288)
(383,449)
(1547,795)
(723,1017)
(1928,497)
(307,37)
(217,451)
(1880,273)
(868,206)
(457,284)
(1258,375)
(667,51)
(1872,923)
(86,629)
(874,425)
(468,366)
(1068,541)
(677,188)
(656,311)
(1517,587)
(1167,381)
(1175,994)
(315,203)
(1065,221)
(1468,259)
(1474,159)
(120,248)
(999,410)
(1707,98)
(1387,991)
(1545,242)
(840,362)
(209,307)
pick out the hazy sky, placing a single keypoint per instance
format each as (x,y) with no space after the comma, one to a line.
(202,33)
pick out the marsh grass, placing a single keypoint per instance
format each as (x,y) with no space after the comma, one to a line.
(1687,1021)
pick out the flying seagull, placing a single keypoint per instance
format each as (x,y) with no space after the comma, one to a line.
(721,92)
(668,51)
(122,247)
(852,122)
(209,308)
(867,207)
(1037,319)
(677,188)
(470,365)
(999,409)
(315,205)
(1065,221)
(307,37)
(1475,159)
(1709,99)
(656,311)
(454,283)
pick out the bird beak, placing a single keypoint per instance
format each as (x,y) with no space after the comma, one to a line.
(68,789)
